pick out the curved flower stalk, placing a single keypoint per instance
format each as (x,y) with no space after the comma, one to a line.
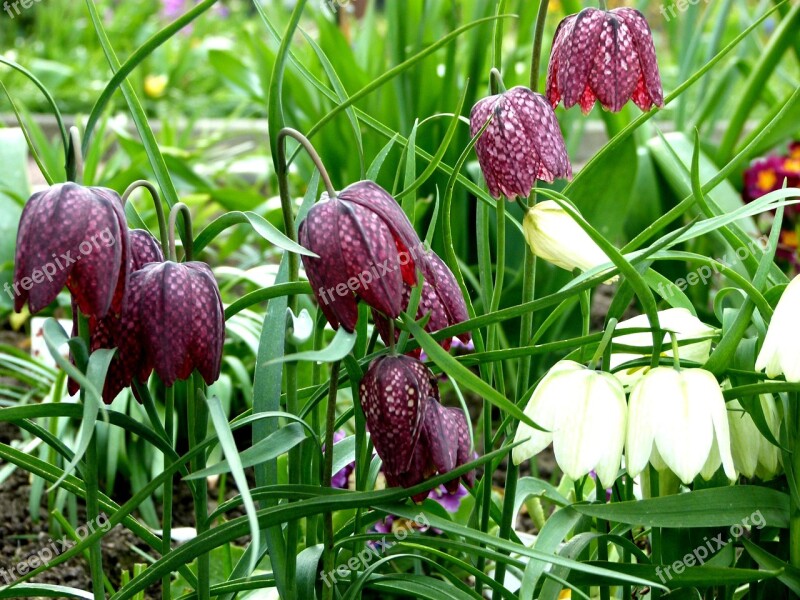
(584,413)
(780,353)
(415,436)
(607,56)
(679,321)
(553,235)
(366,247)
(521,144)
(74,236)
(753,454)
(677,420)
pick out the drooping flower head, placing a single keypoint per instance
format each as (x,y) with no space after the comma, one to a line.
(415,436)
(677,420)
(366,247)
(584,413)
(521,144)
(607,56)
(119,331)
(75,236)
(177,313)
(440,297)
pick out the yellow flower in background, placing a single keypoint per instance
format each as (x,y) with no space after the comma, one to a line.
(155,85)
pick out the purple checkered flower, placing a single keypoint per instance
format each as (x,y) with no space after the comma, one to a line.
(521,144)
(607,56)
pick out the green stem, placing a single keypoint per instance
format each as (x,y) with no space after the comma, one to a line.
(198,426)
(602,527)
(496,85)
(162,223)
(180,207)
(166,518)
(75,158)
(92,468)
(292,403)
(604,343)
(538,36)
(329,558)
(794,511)
(92,515)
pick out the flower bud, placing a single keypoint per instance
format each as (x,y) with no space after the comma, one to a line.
(554,236)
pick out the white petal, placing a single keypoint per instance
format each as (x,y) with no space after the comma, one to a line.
(542,409)
(591,426)
(641,427)
(684,433)
(780,352)
(745,442)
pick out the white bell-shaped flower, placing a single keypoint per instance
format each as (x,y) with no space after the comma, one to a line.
(584,412)
(679,321)
(677,419)
(752,453)
(554,236)
(780,353)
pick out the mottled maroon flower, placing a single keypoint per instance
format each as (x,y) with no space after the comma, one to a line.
(120,331)
(75,236)
(415,436)
(522,143)
(607,56)
(177,312)
(366,249)
(441,298)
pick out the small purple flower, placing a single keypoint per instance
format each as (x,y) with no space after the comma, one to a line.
(366,249)
(75,236)
(341,479)
(521,144)
(450,502)
(607,56)
(415,436)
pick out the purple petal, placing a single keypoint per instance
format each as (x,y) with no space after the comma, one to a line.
(576,57)
(144,249)
(616,64)
(649,90)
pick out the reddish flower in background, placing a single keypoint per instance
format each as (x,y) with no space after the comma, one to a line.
(366,249)
(119,331)
(522,143)
(75,236)
(607,56)
(415,436)
(441,297)
(768,174)
(177,313)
